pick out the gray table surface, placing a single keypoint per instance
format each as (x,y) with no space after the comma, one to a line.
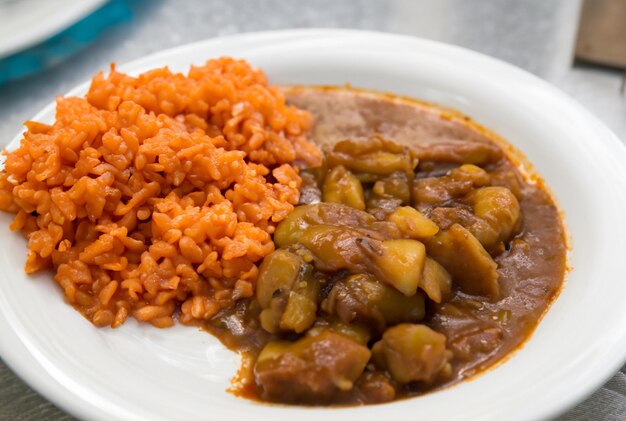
(536,35)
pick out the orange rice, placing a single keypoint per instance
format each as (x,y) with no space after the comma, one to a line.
(156,196)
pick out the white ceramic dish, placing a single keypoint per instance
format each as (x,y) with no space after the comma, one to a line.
(24,23)
(139,372)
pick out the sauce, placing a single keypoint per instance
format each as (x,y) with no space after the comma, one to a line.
(480,329)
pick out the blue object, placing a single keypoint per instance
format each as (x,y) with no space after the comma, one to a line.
(64,44)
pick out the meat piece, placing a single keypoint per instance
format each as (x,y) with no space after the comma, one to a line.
(396,187)
(363,300)
(375,157)
(481,340)
(375,387)
(459,152)
(332,214)
(456,183)
(310,370)
(336,248)
(492,214)
(397,262)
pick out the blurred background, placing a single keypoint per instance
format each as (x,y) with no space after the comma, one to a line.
(49,46)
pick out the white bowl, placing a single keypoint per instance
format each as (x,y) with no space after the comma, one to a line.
(139,372)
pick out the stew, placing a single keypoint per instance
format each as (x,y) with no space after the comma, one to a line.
(419,256)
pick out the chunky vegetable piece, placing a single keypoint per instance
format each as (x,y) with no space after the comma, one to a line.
(436,282)
(413,223)
(340,186)
(411,353)
(462,255)
(499,208)
(400,264)
(287,292)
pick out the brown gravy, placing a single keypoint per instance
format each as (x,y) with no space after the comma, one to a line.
(531,266)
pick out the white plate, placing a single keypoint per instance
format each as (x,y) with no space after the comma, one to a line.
(24,23)
(139,372)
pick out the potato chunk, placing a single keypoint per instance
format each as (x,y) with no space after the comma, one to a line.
(301,307)
(411,353)
(288,230)
(436,281)
(499,208)
(401,264)
(340,186)
(462,255)
(287,292)
(277,274)
(413,223)
(311,369)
